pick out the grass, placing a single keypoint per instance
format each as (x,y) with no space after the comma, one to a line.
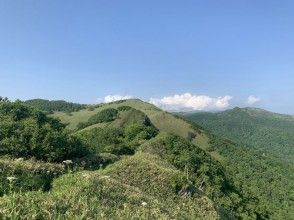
(202,141)
(137,187)
(28,175)
(74,118)
(142,186)
(165,122)
(99,125)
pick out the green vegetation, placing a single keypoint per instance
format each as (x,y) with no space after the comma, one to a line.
(269,180)
(163,121)
(203,174)
(26,175)
(111,195)
(124,108)
(51,106)
(262,161)
(130,160)
(124,133)
(27,132)
(106,115)
(98,194)
(268,132)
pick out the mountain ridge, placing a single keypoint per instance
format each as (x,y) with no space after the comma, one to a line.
(200,160)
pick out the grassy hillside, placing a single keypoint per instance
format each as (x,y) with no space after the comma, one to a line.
(138,162)
(133,184)
(135,188)
(165,122)
(236,158)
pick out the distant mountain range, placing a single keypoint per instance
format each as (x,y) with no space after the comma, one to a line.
(266,131)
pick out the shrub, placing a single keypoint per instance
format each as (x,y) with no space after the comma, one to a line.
(57,105)
(91,108)
(26,132)
(191,136)
(118,141)
(205,173)
(26,175)
(120,149)
(105,115)
(124,108)
(96,161)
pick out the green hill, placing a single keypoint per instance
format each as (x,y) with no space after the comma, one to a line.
(266,158)
(266,131)
(45,190)
(235,157)
(136,162)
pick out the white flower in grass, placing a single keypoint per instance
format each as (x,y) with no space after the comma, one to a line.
(105,177)
(67,162)
(86,175)
(11,178)
(144,203)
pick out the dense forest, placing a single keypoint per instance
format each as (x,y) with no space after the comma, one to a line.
(262,161)
(268,132)
(123,160)
(55,105)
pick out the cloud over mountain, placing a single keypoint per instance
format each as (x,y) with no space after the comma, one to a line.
(251,100)
(113,98)
(187,101)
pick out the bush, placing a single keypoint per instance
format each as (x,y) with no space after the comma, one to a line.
(191,136)
(96,161)
(91,108)
(26,132)
(26,175)
(121,149)
(57,105)
(119,141)
(124,108)
(105,115)
(140,132)
(205,173)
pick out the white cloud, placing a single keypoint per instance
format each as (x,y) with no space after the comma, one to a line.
(187,101)
(251,100)
(113,98)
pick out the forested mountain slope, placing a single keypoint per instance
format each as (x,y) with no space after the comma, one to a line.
(54,105)
(266,155)
(266,131)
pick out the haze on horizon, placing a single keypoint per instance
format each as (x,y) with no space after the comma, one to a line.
(207,55)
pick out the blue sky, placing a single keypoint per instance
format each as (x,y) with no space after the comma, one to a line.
(85,50)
